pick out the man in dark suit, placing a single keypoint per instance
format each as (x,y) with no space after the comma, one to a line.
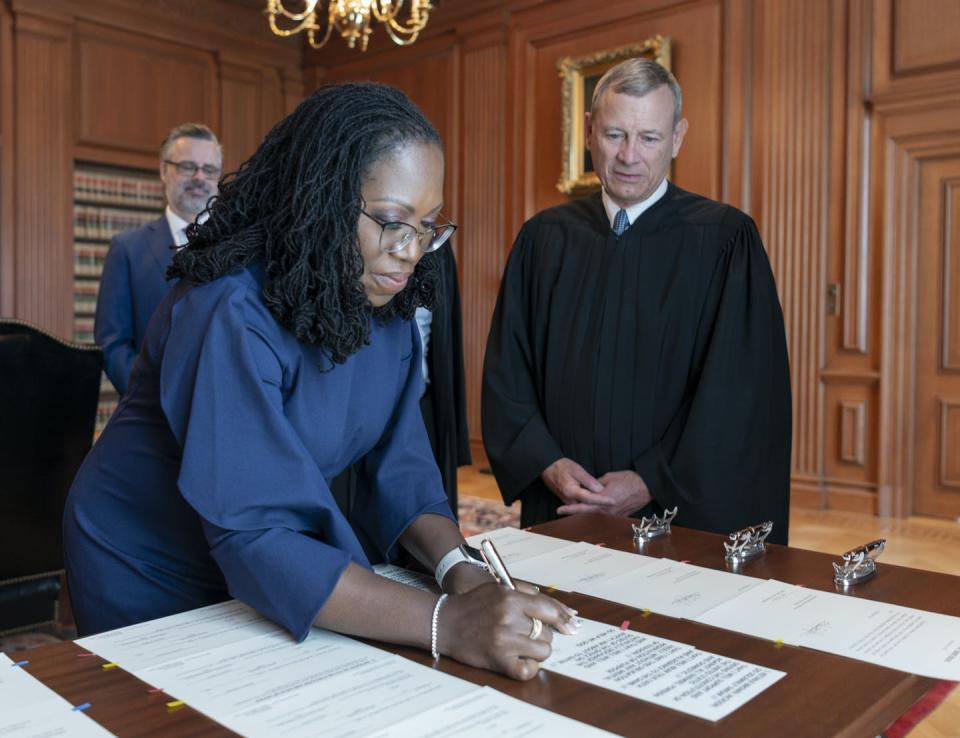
(134,277)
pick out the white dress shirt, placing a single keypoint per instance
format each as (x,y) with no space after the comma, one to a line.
(178,226)
(634,211)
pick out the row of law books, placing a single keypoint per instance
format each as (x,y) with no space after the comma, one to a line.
(100,223)
(117,188)
(85,297)
(88,259)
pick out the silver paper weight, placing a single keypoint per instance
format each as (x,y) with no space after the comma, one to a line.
(859,564)
(748,543)
(654,526)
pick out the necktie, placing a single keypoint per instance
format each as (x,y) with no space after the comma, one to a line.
(620,222)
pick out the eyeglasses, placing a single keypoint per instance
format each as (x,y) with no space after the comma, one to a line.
(395,235)
(190,168)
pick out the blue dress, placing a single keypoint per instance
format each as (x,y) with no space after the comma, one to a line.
(211,479)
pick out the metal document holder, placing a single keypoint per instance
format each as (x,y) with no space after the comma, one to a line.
(747,544)
(654,526)
(859,564)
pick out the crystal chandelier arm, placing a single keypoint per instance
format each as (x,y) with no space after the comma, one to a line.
(402,34)
(312,32)
(276,7)
(302,21)
(351,18)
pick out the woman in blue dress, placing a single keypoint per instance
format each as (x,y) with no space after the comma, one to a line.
(285,353)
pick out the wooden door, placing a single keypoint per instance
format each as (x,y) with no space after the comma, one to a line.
(937,459)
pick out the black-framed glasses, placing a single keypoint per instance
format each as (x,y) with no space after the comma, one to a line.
(189,168)
(395,235)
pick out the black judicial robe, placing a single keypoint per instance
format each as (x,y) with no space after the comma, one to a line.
(661,351)
(448,427)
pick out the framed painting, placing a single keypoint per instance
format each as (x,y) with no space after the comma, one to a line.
(579,77)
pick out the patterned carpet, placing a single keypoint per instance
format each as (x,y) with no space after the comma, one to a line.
(478,515)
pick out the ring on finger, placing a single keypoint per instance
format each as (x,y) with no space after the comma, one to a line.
(536,630)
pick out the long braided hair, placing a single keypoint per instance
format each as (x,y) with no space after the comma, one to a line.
(294,207)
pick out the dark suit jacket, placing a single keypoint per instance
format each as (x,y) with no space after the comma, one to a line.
(134,282)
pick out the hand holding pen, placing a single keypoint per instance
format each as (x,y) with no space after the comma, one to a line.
(500,573)
(506,627)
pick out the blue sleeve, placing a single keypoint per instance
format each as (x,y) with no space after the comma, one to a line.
(113,323)
(264,504)
(401,470)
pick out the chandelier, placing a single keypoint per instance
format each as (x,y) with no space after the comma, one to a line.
(351,19)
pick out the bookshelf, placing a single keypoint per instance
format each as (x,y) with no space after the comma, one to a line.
(106,201)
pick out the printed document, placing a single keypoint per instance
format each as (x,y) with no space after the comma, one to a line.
(897,637)
(658,670)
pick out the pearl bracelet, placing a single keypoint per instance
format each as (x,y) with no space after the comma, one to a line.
(433,627)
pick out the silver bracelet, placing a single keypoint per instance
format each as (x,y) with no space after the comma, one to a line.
(433,627)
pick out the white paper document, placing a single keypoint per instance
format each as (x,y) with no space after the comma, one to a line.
(897,637)
(486,712)
(136,647)
(515,545)
(658,670)
(30,709)
(579,567)
(329,685)
(407,576)
(249,675)
(674,589)
(893,636)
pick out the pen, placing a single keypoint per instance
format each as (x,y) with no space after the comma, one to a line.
(490,555)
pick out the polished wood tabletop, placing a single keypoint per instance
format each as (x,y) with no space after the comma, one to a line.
(822,695)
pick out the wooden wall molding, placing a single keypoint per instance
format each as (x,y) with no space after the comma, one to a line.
(915,49)
(483,252)
(43,255)
(241,111)
(796,121)
(850,376)
(209,25)
(7,150)
(737,103)
(950,258)
(949,442)
(162,83)
(851,265)
(57,11)
(853,419)
(906,138)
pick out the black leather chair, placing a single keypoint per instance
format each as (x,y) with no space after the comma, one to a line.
(48,405)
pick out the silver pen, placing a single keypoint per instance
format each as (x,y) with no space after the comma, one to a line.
(497,567)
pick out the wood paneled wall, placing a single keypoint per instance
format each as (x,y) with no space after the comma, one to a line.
(103,81)
(829,122)
(832,122)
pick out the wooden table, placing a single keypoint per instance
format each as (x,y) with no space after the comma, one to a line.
(822,695)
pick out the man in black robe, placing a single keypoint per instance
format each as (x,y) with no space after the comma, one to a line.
(636,372)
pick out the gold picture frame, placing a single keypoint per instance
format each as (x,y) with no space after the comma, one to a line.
(579,77)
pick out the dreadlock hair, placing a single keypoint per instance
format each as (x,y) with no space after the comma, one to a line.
(294,207)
